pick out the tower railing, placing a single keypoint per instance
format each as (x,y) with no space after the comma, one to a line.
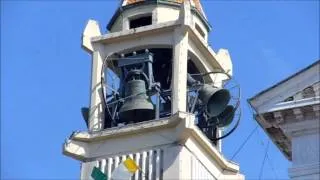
(150,164)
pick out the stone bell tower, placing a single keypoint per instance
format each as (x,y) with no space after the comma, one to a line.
(167,106)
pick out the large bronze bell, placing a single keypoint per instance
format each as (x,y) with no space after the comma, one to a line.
(137,107)
(215,99)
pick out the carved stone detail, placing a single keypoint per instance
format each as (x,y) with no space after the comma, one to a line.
(316,109)
(278,117)
(298,113)
(316,89)
(298,96)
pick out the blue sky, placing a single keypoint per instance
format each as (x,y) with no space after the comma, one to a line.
(45,75)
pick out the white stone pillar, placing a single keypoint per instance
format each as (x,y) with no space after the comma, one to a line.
(179,83)
(96,115)
(305,137)
(180,60)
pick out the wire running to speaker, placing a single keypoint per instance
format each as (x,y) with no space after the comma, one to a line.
(215,108)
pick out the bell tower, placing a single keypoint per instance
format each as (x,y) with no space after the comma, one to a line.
(158,95)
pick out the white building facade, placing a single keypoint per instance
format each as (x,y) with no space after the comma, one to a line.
(289,114)
(167,148)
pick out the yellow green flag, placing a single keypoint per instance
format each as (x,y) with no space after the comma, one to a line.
(96,174)
(125,170)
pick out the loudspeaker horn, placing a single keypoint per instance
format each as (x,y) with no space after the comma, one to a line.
(215,99)
(223,119)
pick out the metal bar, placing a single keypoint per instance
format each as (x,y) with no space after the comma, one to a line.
(157,105)
(194,103)
(150,73)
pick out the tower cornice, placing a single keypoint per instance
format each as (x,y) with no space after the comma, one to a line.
(179,129)
(122,9)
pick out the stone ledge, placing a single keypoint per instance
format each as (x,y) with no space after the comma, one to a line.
(85,146)
(295,104)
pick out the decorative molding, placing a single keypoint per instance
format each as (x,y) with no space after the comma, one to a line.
(295,104)
(301,128)
(316,109)
(298,113)
(266,100)
(263,122)
(291,108)
(279,117)
(316,89)
(305,170)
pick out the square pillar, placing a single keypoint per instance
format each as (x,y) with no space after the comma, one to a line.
(179,75)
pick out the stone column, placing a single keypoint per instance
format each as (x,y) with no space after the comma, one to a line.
(305,148)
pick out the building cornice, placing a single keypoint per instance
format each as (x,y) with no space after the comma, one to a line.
(176,130)
(305,170)
(285,80)
(121,9)
(285,110)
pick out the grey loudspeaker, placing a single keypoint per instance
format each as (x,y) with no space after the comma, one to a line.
(215,99)
(223,119)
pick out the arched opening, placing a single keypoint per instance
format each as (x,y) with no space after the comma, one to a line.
(155,65)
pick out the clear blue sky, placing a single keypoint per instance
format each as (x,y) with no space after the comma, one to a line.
(45,75)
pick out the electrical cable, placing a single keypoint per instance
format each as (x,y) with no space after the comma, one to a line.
(241,146)
(198,84)
(230,132)
(244,142)
(235,108)
(102,86)
(102,79)
(233,129)
(263,161)
(272,167)
(212,72)
(237,123)
(269,160)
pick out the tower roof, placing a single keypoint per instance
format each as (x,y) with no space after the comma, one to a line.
(128,4)
(194,3)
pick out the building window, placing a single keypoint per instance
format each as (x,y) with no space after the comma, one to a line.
(140,21)
(200,31)
(289,99)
